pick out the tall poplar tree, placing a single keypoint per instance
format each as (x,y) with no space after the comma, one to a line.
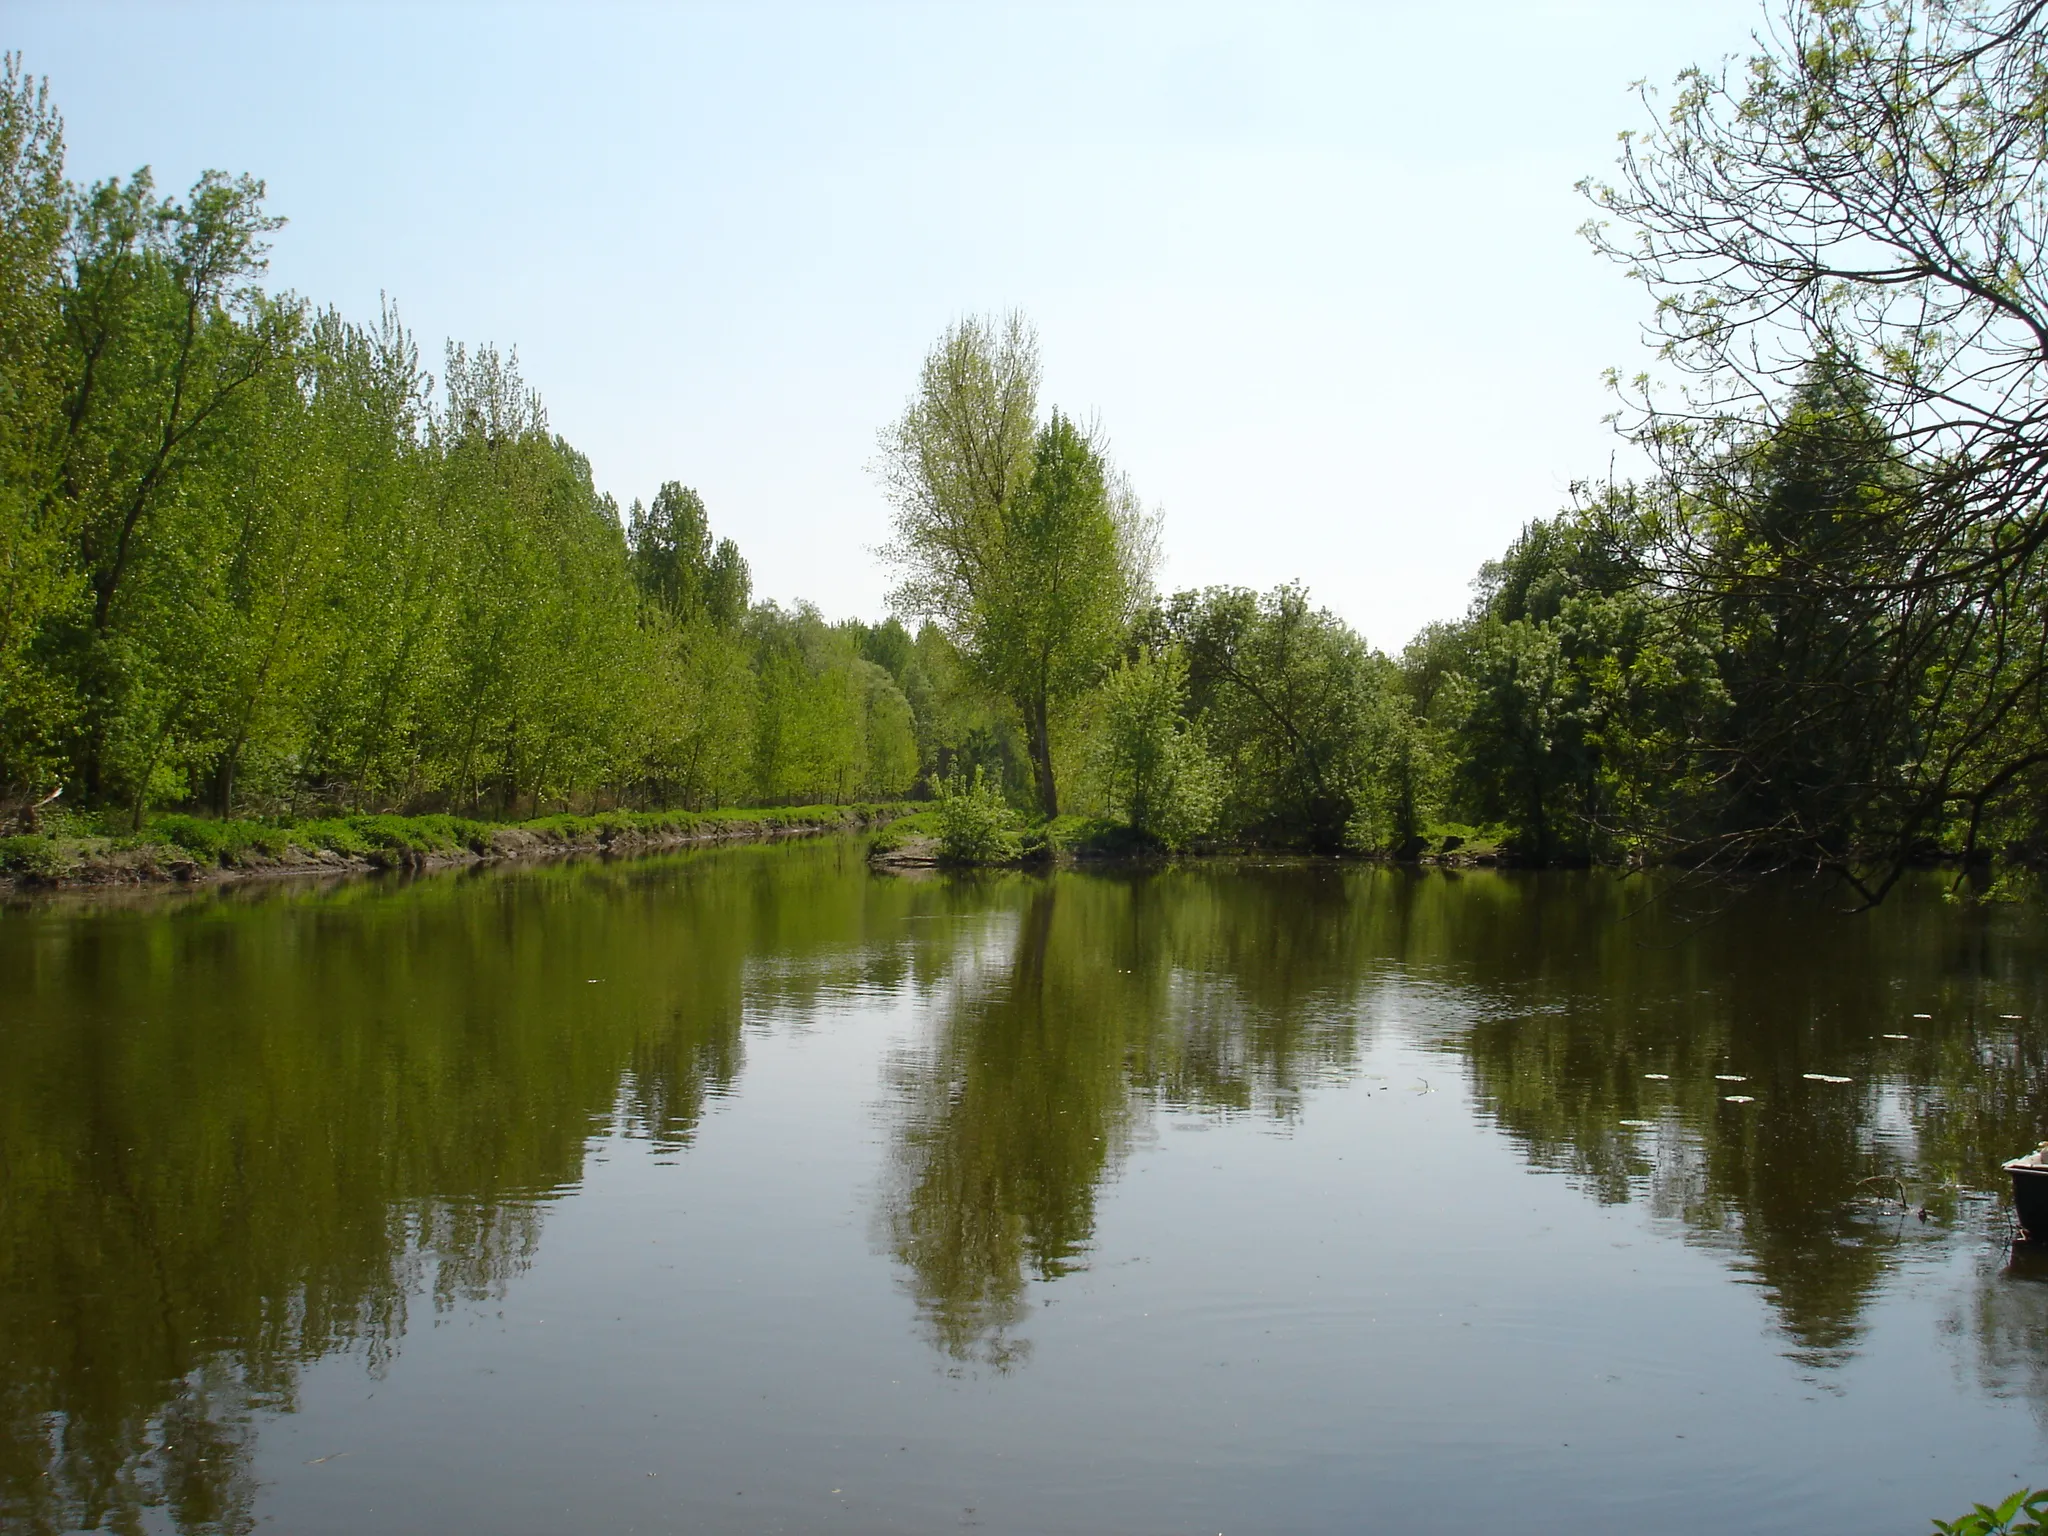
(1016,537)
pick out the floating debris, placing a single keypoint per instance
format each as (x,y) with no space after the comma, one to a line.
(1738,1098)
(1641,1125)
(1729,1077)
(1825,1077)
(1898,1037)
(2012,1016)
(1923,1015)
(1658,1077)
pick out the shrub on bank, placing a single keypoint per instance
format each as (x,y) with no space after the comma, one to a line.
(380,839)
(37,858)
(219,842)
(976,824)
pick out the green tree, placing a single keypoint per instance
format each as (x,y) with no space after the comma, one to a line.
(164,334)
(1804,549)
(249,562)
(1017,538)
(387,625)
(828,724)
(676,563)
(1576,698)
(1150,765)
(1866,196)
(37,582)
(1289,699)
(1399,789)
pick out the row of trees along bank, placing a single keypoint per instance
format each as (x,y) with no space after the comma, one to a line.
(1816,634)
(254,557)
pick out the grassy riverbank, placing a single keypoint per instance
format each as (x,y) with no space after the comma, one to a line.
(82,850)
(969,831)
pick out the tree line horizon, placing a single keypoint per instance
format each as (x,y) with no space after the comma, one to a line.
(255,560)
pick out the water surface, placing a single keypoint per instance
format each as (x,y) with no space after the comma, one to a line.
(747,1191)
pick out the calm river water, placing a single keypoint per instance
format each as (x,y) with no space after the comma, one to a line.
(749,1191)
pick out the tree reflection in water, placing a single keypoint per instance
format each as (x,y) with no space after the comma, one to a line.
(244,1131)
(241,1132)
(1587,994)
(1091,1000)
(1232,988)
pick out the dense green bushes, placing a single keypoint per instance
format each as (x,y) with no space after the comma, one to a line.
(252,557)
(1731,676)
(1152,768)
(975,823)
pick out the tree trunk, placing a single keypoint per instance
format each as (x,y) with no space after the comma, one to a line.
(1038,727)
(224,782)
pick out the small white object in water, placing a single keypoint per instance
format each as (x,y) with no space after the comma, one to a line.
(1898,1037)
(1825,1077)
(1738,1098)
(1641,1125)
(1923,1015)
(1658,1077)
(2013,1016)
(1729,1077)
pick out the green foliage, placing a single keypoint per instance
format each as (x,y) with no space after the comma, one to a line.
(1780,701)
(1015,536)
(382,839)
(976,824)
(1397,789)
(217,841)
(31,857)
(1570,706)
(1848,462)
(2024,1512)
(675,563)
(75,845)
(828,724)
(1094,837)
(1151,767)
(1297,710)
(251,561)
(38,582)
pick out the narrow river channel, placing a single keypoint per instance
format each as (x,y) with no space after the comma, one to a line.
(750,1191)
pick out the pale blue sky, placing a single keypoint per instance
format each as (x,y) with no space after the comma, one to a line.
(1314,267)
